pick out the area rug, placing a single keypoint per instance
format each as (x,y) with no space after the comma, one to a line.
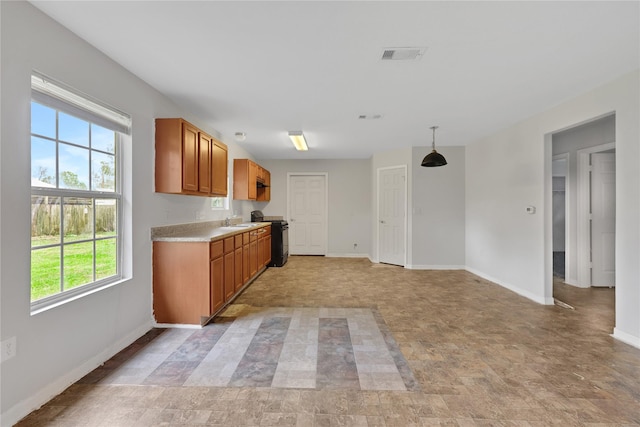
(283,347)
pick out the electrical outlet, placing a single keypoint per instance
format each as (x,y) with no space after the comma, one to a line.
(8,348)
(355,246)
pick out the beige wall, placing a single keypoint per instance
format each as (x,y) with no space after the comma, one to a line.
(349,204)
(511,170)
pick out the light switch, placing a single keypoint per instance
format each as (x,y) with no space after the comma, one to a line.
(531,210)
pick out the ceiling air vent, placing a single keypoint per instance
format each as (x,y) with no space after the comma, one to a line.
(403,53)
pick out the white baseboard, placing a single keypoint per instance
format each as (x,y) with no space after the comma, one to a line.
(626,338)
(346,255)
(434,267)
(574,282)
(176,325)
(48,392)
(517,290)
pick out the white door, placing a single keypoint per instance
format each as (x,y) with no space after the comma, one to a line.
(603,219)
(392,209)
(307,214)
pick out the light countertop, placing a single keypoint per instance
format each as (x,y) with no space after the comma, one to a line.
(201,231)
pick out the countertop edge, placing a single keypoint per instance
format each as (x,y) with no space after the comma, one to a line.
(207,234)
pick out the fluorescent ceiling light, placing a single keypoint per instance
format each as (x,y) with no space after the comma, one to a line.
(297,137)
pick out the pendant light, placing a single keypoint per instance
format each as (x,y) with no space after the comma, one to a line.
(434,158)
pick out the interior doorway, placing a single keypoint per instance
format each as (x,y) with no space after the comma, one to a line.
(582,221)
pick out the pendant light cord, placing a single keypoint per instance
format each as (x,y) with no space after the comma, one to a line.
(433,144)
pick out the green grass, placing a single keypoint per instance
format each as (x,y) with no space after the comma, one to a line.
(78,265)
(52,240)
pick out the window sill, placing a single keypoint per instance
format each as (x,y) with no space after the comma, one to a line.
(62,299)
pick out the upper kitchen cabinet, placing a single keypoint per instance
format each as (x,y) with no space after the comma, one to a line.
(188,161)
(250,181)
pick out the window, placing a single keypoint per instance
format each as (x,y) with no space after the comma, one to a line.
(220,203)
(76,198)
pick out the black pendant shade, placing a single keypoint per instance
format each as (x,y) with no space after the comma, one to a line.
(434,158)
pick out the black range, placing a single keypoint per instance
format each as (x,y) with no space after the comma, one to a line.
(279,237)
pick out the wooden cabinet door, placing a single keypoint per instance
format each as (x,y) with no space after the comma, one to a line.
(217,283)
(267,249)
(252,181)
(229,271)
(204,163)
(241,179)
(246,267)
(238,269)
(190,157)
(253,257)
(219,169)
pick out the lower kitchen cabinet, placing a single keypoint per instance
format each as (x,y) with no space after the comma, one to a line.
(192,281)
(182,295)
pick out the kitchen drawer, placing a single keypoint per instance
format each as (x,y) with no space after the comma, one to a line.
(238,241)
(245,238)
(216,249)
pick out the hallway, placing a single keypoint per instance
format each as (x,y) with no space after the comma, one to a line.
(480,354)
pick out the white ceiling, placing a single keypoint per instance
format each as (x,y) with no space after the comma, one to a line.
(267,67)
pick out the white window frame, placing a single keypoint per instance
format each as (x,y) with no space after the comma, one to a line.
(62,98)
(225,201)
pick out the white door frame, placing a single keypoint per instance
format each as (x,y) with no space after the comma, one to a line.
(583,214)
(406,203)
(567,216)
(326,201)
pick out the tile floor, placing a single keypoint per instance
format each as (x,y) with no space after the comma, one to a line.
(479,355)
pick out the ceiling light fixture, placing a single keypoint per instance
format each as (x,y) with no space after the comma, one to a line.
(240,136)
(403,53)
(370,116)
(297,137)
(434,158)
